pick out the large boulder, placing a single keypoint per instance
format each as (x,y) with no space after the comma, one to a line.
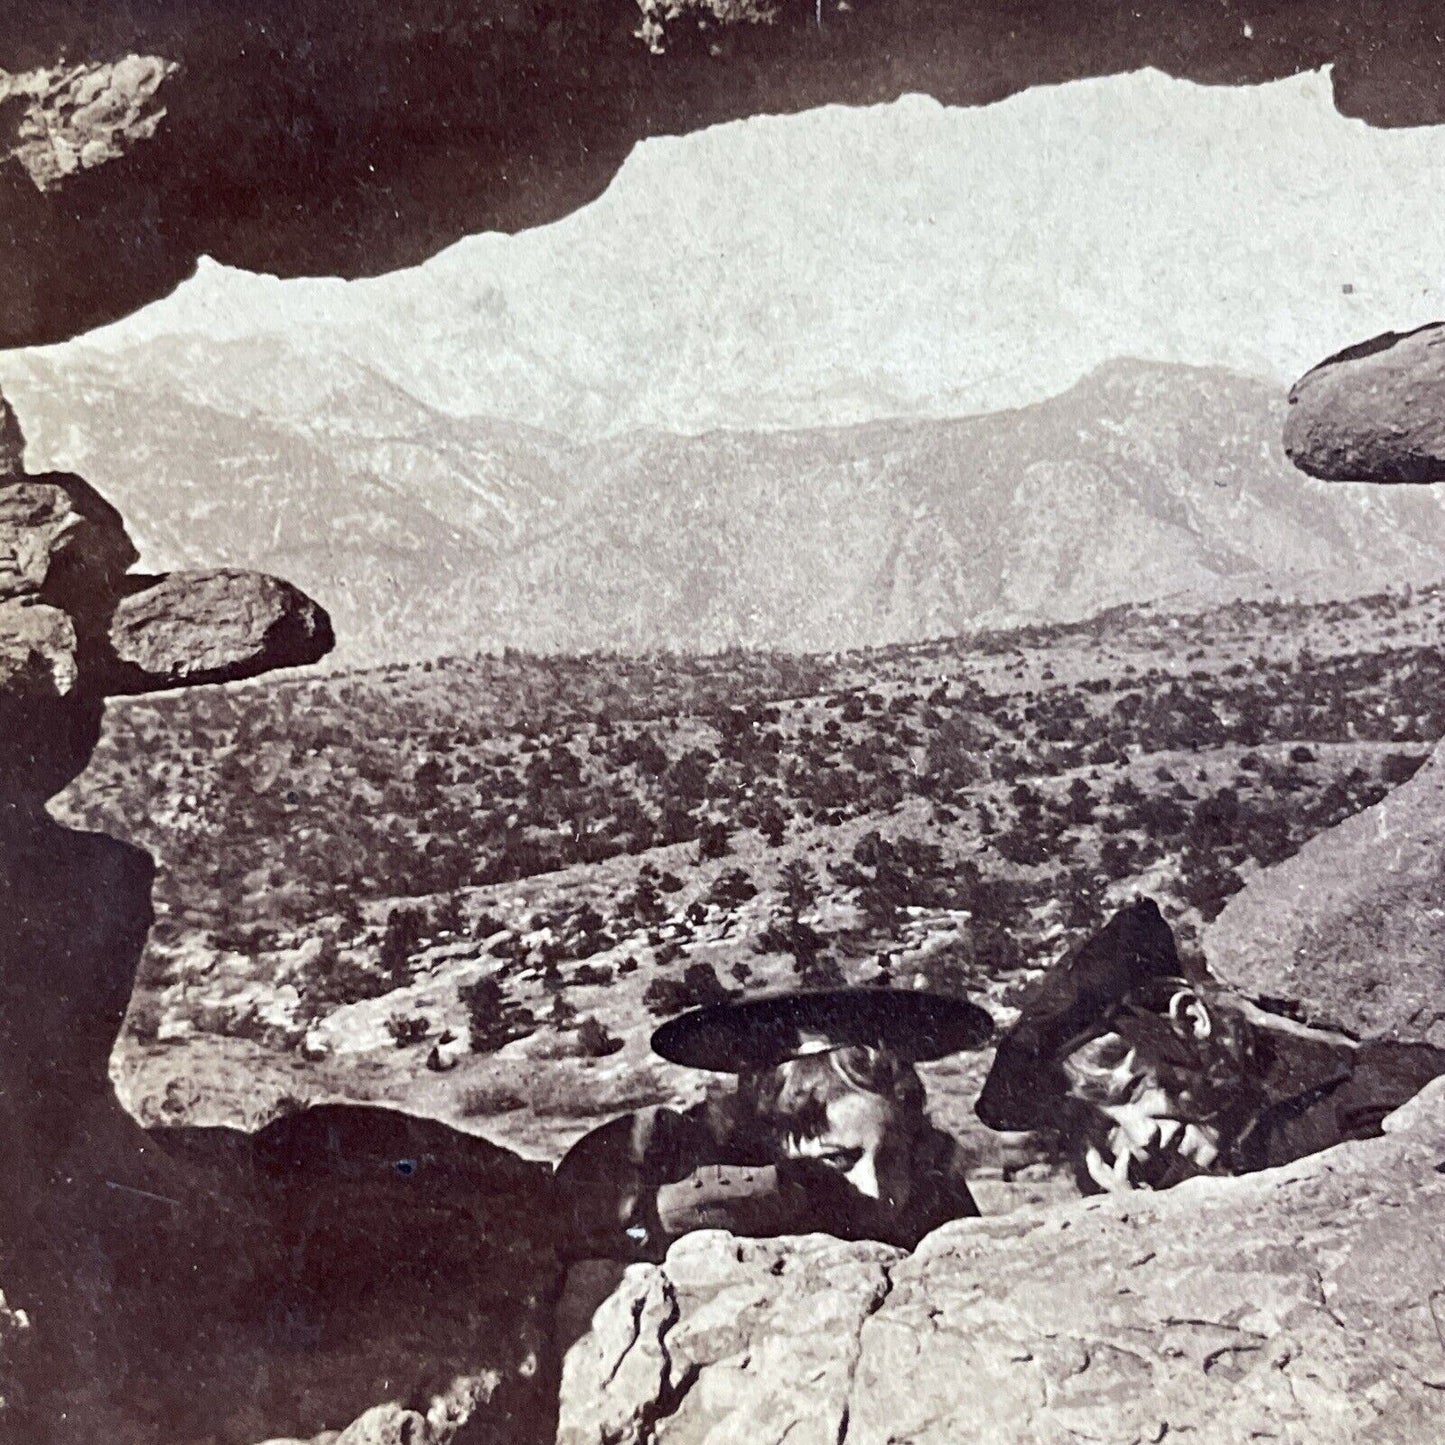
(1302,1304)
(1352,927)
(189,628)
(1373,413)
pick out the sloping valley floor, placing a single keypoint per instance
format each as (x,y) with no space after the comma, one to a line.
(522,863)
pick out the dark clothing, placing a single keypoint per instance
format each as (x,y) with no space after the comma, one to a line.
(1319,1093)
(615,1201)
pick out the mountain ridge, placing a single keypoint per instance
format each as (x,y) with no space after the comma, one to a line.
(427,533)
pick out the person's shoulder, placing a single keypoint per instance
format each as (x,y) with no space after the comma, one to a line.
(940,1166)
(655,1137)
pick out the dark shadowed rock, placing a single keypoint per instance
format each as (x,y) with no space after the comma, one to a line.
(1297,1304)
(199,627)
(12,443)
(1373,413)
(305,137)
(60,540)
(1352,926)
(140,1285)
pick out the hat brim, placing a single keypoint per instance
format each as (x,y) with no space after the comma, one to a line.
(770,1029)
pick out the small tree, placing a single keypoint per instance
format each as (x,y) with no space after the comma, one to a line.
(399,941)
(732,889)
(800,887)
(493,1019)
(407,1029)
(594,1040)
(712,841)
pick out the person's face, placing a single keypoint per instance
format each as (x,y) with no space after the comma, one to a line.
(863,1137)
(1135,1121)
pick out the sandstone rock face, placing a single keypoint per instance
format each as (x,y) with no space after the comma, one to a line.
(61,540)
(1303,1304)
(731,1339)
(1373,413)
(1353,926)
(198,627)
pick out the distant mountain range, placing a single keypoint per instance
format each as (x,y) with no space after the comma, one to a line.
(427,534)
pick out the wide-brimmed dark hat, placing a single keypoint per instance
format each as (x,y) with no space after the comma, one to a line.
(769,1029)
(1072,1002)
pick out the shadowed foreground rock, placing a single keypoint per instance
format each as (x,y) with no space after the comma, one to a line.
(307,137)
(202,1285)
(1303,1304)
(1353,926)
(1373,413)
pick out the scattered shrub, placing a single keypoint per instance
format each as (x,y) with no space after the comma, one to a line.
(594,1040)
(408,1029)
(493,1019)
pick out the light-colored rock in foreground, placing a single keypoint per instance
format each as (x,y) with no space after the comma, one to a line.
(1304,1304)
(1353,926)
(1373,413)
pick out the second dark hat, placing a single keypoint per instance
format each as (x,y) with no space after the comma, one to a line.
(1072,1002)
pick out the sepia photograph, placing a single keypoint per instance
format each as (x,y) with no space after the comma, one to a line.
(720,721)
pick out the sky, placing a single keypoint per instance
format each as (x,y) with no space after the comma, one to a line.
(901,260)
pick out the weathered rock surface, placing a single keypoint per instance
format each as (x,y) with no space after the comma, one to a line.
(302,137)
(73,621)
(37,650)
(730,1339)
(1304,1304)
(73,117)
(1353,926)
(189,628)
(1373,413)
(61,540)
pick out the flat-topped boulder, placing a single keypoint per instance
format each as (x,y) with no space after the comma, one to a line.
(188,628)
